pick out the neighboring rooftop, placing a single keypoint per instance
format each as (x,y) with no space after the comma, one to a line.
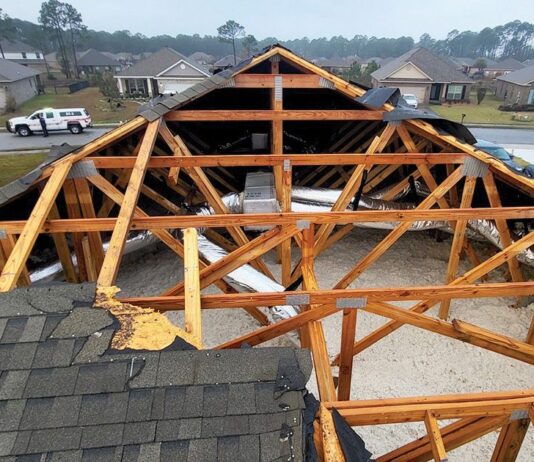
(437,68)
(16,46)
(93,57)
(507,64)
(108,405)
(524,76)
(159,62)
(11,71)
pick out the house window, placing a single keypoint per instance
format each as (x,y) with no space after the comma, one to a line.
(38,55)
(23,55)
(455,92)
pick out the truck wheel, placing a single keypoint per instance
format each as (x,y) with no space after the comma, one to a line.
(75,129)
(24,131)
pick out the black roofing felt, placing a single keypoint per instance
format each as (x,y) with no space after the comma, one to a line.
(64,395)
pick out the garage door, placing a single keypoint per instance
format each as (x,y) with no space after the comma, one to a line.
(418,91)
(174,86)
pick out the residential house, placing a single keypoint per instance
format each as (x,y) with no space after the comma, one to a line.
(364,63)
(429,77)
(337,64)
(18,83)
(22,53)
(163,72)
(95,62)
(502,67)
(202,58)
(517,87)
(224,63)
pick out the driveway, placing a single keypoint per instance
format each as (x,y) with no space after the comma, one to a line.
(9,141)
(505,136)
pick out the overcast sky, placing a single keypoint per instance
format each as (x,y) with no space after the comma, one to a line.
(286,19)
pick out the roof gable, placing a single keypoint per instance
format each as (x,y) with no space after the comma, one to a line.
(409,71)
(184,68)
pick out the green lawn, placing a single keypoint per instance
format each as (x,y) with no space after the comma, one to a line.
(13,166)
(89,98)
(485,113)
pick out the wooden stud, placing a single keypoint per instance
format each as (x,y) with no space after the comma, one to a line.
(17,259)
(192,314)
(436,443)
(346,359)
(457,242)
(331,448)
(92,273)
(63,250)
(74,212)
(110,266)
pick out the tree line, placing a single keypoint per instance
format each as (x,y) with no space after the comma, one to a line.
(61,29)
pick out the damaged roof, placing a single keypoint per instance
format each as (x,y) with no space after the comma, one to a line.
(136,406)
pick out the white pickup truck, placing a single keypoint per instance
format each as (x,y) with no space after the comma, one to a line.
(73,119)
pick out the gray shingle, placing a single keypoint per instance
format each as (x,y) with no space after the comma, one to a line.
(12,384)
(60,412)
(15,303)
(174,403)
(102,435)
(139,405)
(167,430)
(51,382)
(241,399)
(57,439)
(130,453)
(176,368)
(3,323)
(149,452)
(158,404)
(270,446)
(263,423)
(227,449)
(102,378)
(265,400)
(139,432)
(225,426)
(65,456)
(204,450)
(7,440)
(194,400)
(174,451)
(215,400)
(21,443)
(103,408)
(13,329)
(17,355)
(33,329)
(10,414)
(112,454)
(53,353)
(94,347)
(52,320)
(148,374)
(190,428)
(249,448)
(82,322)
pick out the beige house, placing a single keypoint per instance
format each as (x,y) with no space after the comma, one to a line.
(517,87)
(163,72)
(431,78)
(18,83)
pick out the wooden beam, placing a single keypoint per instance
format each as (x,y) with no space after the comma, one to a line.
(346,359)
(436,443)
(267,81)
(398,231)
(110,266)
(92,274)
(74,213)
(457,242)
(63,250)
(510,439)
(234,115)
(6,247)
(192,314)
(17,259)
(329,297)
(331,448)
(275,219)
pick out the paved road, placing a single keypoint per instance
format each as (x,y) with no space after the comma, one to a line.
(10,141)
(506,136)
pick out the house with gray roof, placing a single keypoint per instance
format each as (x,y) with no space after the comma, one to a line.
(517,87)
(22,53)
(502,67)
(95,62)
(163,72)
(18,83)
(431,78)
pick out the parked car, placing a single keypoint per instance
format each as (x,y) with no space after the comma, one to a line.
(505,157)
(72,119)
(411,100)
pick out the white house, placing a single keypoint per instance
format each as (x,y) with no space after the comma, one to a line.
(163,72)
(22,53)
(17,84)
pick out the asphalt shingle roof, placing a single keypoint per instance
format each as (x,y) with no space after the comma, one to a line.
(95,58)
(157,63)
(523,76)
(16,46)
(64,395)
(11,71)
(439,69)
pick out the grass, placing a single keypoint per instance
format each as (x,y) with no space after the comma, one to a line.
(90,98)
(485,113)
(13,166)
